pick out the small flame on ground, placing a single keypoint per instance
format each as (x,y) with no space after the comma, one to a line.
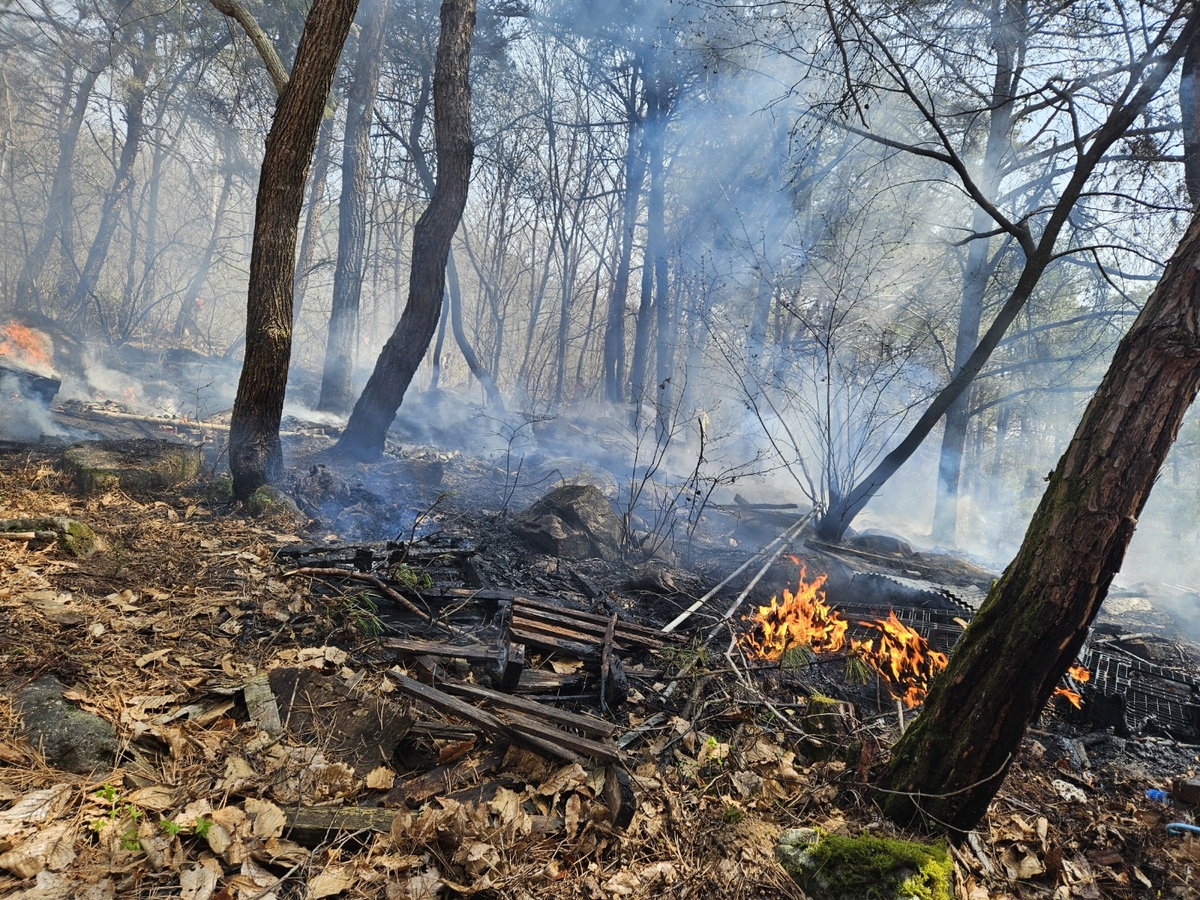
(24,344)
(1077,674)
(803,619)
(902,657)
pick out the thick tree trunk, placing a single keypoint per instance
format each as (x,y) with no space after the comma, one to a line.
(373,413)
(135,104)
(255,454)
(951,761)
(59,207)
(336,388)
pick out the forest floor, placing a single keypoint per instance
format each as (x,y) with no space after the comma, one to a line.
(185,603)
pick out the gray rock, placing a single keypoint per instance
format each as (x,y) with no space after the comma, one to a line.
(574,521)
(68,737)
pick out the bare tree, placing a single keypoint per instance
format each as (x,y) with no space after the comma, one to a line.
(255,453)
(951,761)
(376,407)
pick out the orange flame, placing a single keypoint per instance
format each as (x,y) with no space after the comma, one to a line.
(902,658)
(900,655)
(1077,674)
(25,344)
(802,619)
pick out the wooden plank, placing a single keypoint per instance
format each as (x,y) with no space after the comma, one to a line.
(537,638)
(586,724)
(261,705)
(463,710)
(527,728)
(475,653)
(627,630)
(311,825)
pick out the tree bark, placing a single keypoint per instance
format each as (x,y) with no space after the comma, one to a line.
(336,387)
(255,453)
(952,759)
(365,433)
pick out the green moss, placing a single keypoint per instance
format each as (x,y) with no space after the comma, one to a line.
(833,867)
(78,539)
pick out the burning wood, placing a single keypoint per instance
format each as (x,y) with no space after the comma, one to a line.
(803,619)
(25,355)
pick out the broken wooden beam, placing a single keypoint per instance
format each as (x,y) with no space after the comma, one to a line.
(454,706)
(587,724)
(447,778)
(312,825)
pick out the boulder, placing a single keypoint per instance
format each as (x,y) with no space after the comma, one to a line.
(67,737)
(574,521)
(835,867)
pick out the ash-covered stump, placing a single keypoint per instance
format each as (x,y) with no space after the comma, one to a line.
(132,466)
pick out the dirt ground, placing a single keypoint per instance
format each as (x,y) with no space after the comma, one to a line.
(158,633)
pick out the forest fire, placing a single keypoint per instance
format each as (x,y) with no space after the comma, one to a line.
(25,348)
(901,656)
(803,619)
(1077,675)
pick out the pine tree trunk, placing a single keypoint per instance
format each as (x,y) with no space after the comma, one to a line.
(255,454)
(953,758)
(373,413)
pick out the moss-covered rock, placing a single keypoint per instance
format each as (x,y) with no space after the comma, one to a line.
(71,535)
(134,466)
(271,501)
(833,867)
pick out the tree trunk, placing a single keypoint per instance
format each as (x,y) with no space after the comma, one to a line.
(614,329)
(952,759)
(336,388)
(460,336)
(316,193)
(255,454)
(365,433)
(1038,255)
(1008,40)
(59,207)
(135,104)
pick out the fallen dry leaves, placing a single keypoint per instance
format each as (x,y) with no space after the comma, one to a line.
(159,632)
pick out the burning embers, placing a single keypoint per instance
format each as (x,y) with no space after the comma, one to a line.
(901,656)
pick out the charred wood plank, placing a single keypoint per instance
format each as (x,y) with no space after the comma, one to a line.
(586,724)
(313,825)
(619,795)
(463,710)
(446,779)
